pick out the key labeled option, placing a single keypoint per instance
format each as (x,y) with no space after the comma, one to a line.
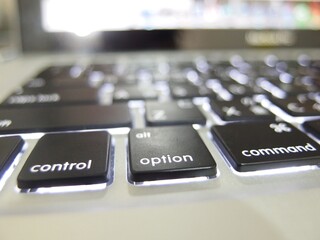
(66,159)
(162,153)
(253,146)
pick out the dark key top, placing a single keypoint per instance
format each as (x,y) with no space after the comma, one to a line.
(296,106)
(60,76)
(188,90)
(55,118)
(240,109)
(265,145)
(59,81)
(168,153)
(71,71)
(313,127)
(237,89)
(67,159)
(134,92)
(173,113)
(53,96)
(9,148)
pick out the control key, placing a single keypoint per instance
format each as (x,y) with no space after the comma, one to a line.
(67,159)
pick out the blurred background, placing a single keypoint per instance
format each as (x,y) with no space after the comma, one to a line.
(45,22)
(9,30)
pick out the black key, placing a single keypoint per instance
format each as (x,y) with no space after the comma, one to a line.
(313,127)
(265,145)
(67,159)
(71,71)
(60,77)
(42,119)
(237,89)
(168,153)
(53,96)
(296,106)
(187,90)
(9,149)
(100,73)
(293,88)
(134,92)
(241,109)
(104,68)
(173,113)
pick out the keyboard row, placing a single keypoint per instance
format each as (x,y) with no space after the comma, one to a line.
(80,117)
(261,116)
(155,154)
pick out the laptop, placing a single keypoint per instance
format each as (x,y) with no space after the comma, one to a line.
(178,119)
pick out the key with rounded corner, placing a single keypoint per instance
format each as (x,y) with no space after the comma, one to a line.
(63,118)
(166,153)
(252,146)
(67,159)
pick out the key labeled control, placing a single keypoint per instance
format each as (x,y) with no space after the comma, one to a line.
(265,145)
(66,159)
(162,153)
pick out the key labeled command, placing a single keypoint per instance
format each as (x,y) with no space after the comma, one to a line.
(265,145)
(66,159)
(163,153)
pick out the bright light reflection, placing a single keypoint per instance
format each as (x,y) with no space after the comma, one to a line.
(276,171)
(68,189)
(171,181)
(84,17)
(175,181)
(30,136)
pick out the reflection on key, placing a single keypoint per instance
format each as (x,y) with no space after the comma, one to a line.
(42,119)
(164,153)
(67,159)
(173,113)
(252,146)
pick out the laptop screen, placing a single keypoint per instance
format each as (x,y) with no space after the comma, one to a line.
(96,25)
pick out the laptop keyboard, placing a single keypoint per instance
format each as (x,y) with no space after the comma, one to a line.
(260,115)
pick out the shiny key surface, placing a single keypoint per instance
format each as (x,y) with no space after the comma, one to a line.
(163,153)
(313,127)
(67,159)
(52,96)
(173,113)
(267,145)
(42,119)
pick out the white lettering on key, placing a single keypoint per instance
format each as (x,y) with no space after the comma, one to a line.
(5,123)
(143,135)
(29,99)
(278,150)
(58,167)
(159,115)
(154,161)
